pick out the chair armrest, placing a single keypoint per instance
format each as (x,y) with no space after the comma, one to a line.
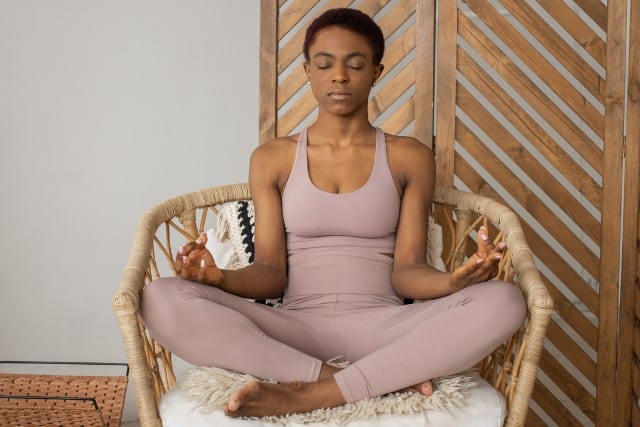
(538,299)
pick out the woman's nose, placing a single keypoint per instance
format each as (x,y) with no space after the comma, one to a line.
(340,75)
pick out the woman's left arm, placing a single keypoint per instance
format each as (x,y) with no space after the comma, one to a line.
(411,276)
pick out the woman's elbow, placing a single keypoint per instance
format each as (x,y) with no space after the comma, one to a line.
(278,283)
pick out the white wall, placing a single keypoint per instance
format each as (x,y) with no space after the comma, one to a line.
(105,109)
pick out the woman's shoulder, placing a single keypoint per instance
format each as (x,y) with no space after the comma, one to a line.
(273,160)
(407,148)
(277,148)
(411,161)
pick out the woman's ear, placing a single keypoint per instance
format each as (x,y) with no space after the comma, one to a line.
(307,69)
(377,72)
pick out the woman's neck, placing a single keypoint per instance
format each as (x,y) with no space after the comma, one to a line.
(337,128)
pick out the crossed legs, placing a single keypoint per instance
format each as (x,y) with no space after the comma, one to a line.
(391,348)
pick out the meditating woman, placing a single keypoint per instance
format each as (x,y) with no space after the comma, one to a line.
(341,215)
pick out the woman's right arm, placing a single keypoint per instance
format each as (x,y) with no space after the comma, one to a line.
(267,276)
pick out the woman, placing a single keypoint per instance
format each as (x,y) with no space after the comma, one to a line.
(341,228)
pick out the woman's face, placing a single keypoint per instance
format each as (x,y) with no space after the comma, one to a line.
(341,70)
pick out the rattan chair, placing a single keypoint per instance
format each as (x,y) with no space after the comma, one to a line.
(511,368)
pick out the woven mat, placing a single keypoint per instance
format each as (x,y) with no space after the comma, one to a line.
(211,388)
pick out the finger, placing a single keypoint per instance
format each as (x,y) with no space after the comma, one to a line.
(490,267)
(471,266)
(500,247)
(203,238)
(187,248)
(202,270)
(199,243)
(180,259)
(483,242)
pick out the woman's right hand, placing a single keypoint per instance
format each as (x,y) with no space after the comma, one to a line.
(194,262)
(482,265)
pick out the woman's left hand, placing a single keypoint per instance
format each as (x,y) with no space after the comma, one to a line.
(482,265)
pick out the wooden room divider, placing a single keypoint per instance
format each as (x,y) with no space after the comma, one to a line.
(529,101)
(629,357)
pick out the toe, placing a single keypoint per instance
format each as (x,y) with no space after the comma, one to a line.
(426,388)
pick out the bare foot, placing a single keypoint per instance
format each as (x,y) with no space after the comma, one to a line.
(425,388)
(258,399)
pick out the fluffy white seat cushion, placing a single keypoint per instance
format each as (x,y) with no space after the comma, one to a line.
(482,406)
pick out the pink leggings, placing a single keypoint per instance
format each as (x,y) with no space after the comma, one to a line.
(338,303)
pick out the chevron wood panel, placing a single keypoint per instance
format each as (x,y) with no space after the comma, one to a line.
(537,124)
(630,293)
(530,111)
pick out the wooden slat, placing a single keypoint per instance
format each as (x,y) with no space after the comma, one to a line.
(290,85)
(553,407)
(398,15)
(568,384)
(446,81)
(288,120)
(292,15)
(268,76)
(637,295)
(526,198)
(636,382)
(574,317)
(293,48)
(538,245)
(631,233)
(577,28)
(538,64)
(556,45)
(596,11)
(635,410)
(531,130)
(582,290)
(401,118)
(399,49)
(425,63)
(611,208)
(528,163)
(636,335)
(531,93)
(372,7)
(572,351)
(391,91)
(533,420)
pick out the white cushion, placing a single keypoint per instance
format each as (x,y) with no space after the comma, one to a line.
(484,406)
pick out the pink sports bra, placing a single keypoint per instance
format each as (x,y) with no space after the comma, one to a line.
(365,218)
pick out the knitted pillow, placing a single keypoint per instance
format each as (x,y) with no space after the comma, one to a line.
(236,226)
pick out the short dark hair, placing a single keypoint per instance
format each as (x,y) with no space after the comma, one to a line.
(352,20)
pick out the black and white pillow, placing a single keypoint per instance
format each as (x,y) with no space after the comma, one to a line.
(236,225)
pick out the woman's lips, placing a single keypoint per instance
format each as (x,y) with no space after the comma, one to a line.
(339,95)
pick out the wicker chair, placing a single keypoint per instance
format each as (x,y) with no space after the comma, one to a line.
(511,368)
